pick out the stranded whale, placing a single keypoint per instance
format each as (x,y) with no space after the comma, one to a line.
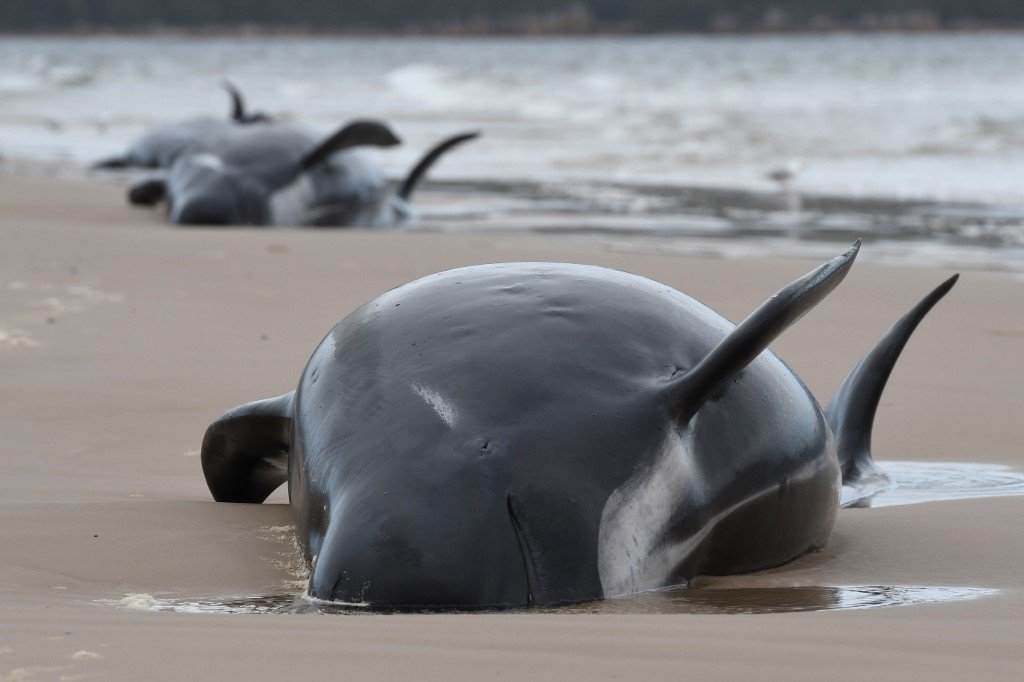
(282,175)
(159,146)
(542,433)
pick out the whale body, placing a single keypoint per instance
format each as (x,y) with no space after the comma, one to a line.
(159,146)
(541,433)
(284,175)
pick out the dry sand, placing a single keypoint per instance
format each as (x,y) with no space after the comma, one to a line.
(122,338)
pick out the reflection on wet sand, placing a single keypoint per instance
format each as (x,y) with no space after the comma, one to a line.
(678,600)
(774,599)
(689,220)
(910,483)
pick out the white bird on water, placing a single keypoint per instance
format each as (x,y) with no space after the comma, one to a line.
(784,175)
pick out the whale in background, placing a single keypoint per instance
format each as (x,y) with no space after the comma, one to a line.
(283,175)
(160,145)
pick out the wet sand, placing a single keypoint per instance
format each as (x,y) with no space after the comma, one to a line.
(122,338)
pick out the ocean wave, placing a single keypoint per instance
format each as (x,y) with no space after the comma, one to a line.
(986,133)
(39,73)
(20,83)
(428,85)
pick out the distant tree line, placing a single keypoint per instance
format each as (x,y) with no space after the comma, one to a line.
(515,16)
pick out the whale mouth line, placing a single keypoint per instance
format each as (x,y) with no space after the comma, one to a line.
(524,550)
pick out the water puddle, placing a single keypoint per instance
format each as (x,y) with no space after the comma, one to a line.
(679,600)
(917,482)
(752,600)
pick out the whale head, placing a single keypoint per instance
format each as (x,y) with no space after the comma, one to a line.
(207,191)
(460,436)
(235,186)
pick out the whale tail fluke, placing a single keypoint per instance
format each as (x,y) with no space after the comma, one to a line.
(851,412)
(421,168)
(245,452)
(690,389)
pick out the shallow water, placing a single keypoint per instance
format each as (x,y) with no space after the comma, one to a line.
(725,223)
(917,482)
(669,601)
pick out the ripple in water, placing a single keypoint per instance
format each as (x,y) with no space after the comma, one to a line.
(679,600)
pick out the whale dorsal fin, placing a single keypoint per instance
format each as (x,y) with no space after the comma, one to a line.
(237,102)
(851,412)
(238,110)
(355,134)
(424,164)
(689,390)
(245,452)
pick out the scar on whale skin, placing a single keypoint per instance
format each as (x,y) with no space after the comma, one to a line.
(441,405)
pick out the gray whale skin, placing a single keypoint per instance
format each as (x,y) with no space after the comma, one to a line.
(541,433)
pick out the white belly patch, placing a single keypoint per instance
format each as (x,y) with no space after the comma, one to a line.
(631,553)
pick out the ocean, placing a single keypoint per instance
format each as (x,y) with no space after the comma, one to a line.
(915,142)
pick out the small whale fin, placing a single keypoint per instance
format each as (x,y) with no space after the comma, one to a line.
(689,390)
(237,101)
(245,452)
(851,412)
(238,111)
(355,134)
(148,191)
(421,168)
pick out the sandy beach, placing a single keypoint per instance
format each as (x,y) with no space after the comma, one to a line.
(122,338)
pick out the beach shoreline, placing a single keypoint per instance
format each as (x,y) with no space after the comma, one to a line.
(123,337)
(686,220)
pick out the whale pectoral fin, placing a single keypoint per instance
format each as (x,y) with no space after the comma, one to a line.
(113,162)
(245,452)
(688,391)
(424,164)
(851,412)
(148,191)
(355,134)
